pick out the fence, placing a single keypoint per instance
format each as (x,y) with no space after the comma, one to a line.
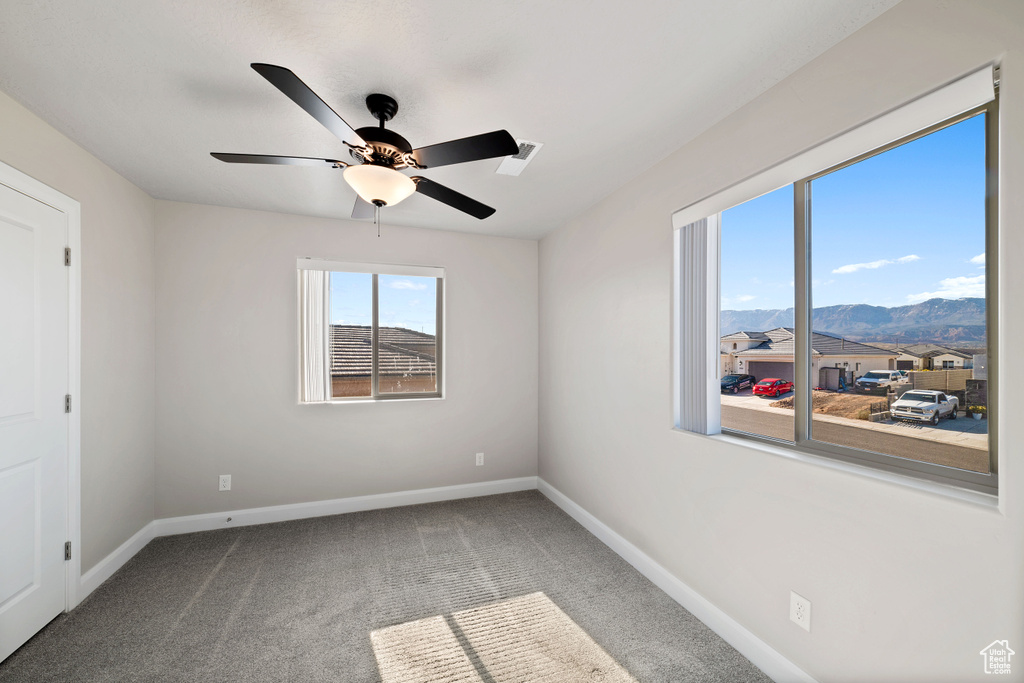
(949,381)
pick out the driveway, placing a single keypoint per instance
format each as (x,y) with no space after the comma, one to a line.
(961,443)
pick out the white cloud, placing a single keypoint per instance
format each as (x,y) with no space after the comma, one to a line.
(953,288)
(872,265)
(733,300)
(979,260)
(854,267)
(407,284)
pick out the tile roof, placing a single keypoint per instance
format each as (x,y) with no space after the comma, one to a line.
(930,351)
(780,343)
(745,335)
(401,351)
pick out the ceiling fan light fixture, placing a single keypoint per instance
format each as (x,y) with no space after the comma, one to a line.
(379,185)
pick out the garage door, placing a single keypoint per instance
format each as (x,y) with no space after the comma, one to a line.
(761,369)
(904,365)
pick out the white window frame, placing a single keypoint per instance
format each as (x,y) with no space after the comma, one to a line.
(375,270)
(696,282)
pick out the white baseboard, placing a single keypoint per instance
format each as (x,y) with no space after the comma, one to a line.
(763,656)
(106,567)
(338,506)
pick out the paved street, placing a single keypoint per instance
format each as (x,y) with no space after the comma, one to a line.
(957,443)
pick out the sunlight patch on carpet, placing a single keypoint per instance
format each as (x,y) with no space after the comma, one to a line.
(423,650)
(523,639)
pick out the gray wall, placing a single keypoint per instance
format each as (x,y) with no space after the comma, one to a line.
(118,342)
(905,585)
(227,369)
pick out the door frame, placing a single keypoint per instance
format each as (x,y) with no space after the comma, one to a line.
(72,210)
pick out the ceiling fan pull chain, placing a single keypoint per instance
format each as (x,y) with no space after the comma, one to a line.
(376,217)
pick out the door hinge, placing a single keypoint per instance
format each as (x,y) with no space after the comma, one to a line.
(67,551)
(67,256)
(67,403)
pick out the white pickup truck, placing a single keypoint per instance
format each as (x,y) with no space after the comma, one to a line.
(925,406)
(878,381)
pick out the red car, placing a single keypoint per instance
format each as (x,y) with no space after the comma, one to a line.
(772,386)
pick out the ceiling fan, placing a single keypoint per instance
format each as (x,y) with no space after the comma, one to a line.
(379,153)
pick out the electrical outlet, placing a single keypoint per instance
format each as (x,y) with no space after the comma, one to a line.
(800,611)
(479,459)
(225,482)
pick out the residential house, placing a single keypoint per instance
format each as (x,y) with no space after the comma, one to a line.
(931,357)
(770,354)
(406,359)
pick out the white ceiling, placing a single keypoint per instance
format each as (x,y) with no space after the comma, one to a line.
(609,87)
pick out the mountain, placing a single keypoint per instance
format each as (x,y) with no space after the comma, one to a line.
(940,321)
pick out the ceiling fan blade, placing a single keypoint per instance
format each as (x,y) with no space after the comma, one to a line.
(299,93)
(362,210)
(486,146)
(452,198)
(273,159)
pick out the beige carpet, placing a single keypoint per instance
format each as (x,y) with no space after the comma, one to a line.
(523,639)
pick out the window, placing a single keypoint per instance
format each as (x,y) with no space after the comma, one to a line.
(870,270)
(369,331)
(756,278)
(877,233)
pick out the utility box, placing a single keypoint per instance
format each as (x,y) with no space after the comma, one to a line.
(831,378)
(980,369)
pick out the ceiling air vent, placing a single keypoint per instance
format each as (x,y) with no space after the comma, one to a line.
(514,165)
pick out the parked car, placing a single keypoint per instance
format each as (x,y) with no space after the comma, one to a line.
(773,386)
(878,381)
(924,406)
(734,383)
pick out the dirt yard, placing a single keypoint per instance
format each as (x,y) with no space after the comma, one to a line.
(852,406)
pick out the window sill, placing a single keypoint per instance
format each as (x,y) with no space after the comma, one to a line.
(947,491)
(363,401)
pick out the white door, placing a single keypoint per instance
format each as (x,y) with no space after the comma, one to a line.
(33,423)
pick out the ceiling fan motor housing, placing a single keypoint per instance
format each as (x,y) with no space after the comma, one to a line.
(389,148)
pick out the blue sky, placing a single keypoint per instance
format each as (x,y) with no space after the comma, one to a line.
(895,229)
(404,301)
